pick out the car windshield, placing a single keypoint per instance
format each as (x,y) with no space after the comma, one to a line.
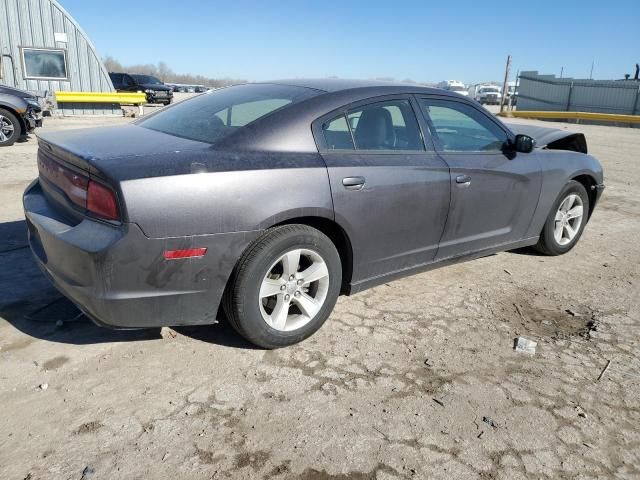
(147,79)
(219,113)
(489,90)
(456,88)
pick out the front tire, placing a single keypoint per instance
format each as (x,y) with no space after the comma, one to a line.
(284,286)
(10,129)
(566,221)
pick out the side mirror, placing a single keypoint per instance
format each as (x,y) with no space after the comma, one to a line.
(524,144)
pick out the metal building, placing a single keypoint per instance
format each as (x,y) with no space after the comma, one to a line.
(44,50)
(549,93)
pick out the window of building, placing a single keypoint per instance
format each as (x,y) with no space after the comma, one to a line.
(43,63)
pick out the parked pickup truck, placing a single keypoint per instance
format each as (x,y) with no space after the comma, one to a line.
(20,114)
(488,95)
(156,91)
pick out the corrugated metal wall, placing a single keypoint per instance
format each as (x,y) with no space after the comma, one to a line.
(548,93)
(34,23)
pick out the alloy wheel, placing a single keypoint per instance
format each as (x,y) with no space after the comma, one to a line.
(6,129)
(294,290)
(568,219)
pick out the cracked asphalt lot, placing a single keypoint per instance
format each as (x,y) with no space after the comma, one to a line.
(414,379)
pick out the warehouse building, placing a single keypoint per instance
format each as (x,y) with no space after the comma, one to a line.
(44,50)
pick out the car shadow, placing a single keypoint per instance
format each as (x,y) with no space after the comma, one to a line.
(30,303)
(530,251)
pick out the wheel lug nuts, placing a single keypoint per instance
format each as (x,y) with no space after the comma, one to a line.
(297,294)
(300,282)
(292,277)
(287,297)
(283,287)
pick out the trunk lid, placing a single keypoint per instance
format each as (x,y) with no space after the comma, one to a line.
(118,153)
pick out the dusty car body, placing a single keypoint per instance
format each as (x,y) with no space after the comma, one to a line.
(399,207)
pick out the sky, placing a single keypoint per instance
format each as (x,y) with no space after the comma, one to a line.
(425,41)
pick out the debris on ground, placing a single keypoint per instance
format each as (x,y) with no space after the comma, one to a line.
(580,411)
(604,370)
(519,311)
(490,421)
(480,434)
(168,333)
(439,402)
(572,313)
(592,326)
(87,473)
(524,345)
(507,272)
(43,386)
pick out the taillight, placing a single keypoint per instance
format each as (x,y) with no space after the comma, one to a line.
(101,201)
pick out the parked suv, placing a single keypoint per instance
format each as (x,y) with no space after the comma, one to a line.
(157,92)
(20,114)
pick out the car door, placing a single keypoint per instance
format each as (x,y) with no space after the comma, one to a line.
(494,191)
(390,191)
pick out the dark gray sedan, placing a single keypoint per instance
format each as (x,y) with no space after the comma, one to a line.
(271,199)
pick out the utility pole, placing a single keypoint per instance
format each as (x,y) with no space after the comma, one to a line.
(505,87)
(561,71)
(591,74)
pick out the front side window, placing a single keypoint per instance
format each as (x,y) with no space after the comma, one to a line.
(44,63)
(457,127)
(219,113)
(388,125)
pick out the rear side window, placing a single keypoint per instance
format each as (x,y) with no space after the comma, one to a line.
(337,134)
(457,127)
(116,78)
(219,113)
(388,125)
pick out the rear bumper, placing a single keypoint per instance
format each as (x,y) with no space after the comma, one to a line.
(119,277)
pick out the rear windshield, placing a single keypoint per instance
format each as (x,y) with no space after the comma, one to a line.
(219,113)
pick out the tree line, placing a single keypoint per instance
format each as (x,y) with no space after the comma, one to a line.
(167,75)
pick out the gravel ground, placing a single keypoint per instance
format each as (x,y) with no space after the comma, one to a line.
(414,379)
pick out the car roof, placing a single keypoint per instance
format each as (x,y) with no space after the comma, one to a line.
(332,85)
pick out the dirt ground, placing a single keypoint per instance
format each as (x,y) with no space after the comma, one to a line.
(414,379)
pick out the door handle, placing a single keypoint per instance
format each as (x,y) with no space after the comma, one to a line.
(463,180)
(353,183)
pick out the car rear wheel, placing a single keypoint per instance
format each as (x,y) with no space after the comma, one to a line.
(566,221)
(284,286)
(9,128)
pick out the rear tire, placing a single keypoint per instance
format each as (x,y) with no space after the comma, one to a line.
(284,287)
(566,221)
(10,129)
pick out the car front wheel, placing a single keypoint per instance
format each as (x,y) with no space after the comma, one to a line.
(284,286)
(566,221)
(9,128)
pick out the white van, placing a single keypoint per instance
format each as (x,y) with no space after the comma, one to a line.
(454,86)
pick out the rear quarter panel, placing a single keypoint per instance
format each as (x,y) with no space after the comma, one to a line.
(247,192)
